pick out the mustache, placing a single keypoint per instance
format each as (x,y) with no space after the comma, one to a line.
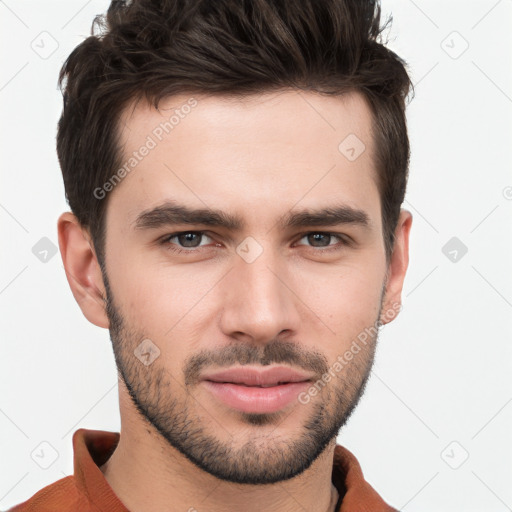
(276,351)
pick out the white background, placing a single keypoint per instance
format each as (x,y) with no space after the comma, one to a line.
(443,368)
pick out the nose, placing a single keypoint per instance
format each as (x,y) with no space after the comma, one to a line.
(259,302)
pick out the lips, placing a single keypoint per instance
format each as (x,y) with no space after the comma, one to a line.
(262,378)
(253,390)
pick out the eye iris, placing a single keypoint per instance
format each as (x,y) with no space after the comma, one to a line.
(193,239)
(317,237)
(187,239)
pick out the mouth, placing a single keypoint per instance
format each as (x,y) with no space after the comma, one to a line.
(253,390)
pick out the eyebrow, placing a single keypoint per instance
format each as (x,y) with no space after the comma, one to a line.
(172,213)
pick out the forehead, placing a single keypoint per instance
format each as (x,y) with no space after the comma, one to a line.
(262,153)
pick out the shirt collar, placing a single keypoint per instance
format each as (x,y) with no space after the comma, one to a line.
(92,448)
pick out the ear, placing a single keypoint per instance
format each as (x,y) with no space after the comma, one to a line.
(397,268)
(82,269)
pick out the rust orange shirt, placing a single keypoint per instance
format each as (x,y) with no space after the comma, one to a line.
(87,490)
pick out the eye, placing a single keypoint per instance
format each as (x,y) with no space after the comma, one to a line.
(186,241)
(190,242)
(322,240)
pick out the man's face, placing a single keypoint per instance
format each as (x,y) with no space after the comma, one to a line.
(261,294)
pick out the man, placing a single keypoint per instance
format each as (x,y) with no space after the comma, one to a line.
(235,171)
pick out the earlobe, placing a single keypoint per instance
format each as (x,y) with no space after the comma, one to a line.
(397,269)
(82,269)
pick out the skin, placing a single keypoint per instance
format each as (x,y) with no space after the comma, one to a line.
(259,158)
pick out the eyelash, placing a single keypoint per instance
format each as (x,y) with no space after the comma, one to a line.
(344,241)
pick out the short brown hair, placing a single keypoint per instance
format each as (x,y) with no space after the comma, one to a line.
(150,49)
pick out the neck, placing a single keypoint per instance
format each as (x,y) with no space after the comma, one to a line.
(149,475)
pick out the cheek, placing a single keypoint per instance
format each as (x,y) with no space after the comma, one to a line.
(347,301)
(161,300)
